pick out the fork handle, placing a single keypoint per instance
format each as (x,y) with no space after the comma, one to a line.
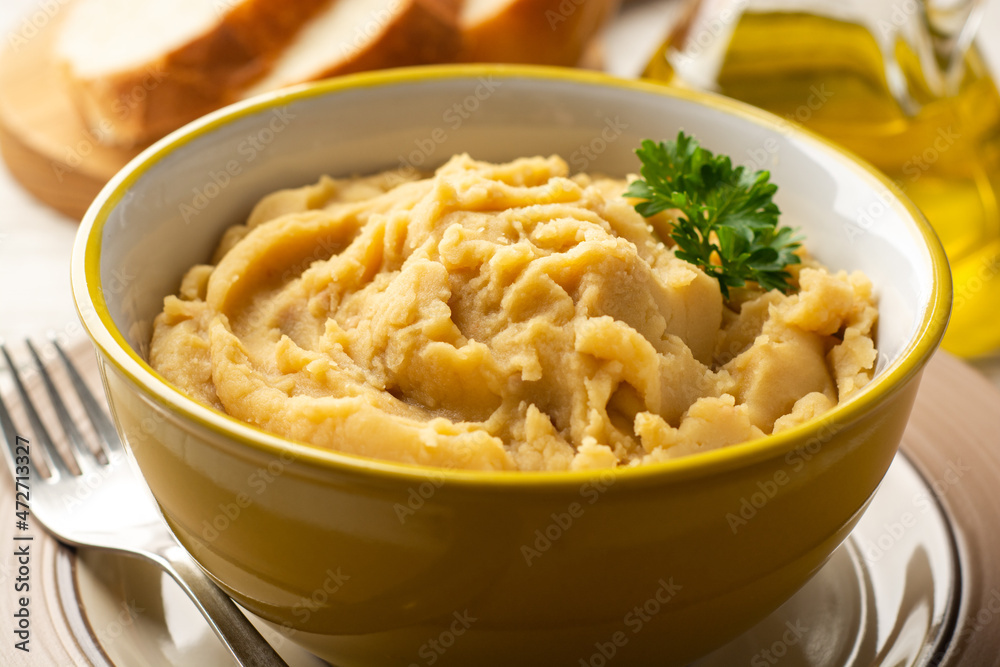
(246,645)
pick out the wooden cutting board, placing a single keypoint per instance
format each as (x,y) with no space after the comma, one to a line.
(42,139)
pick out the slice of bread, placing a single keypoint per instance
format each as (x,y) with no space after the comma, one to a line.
(547,32)
(357,35)
(137,69)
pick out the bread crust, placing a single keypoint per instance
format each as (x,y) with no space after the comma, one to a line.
(137,105)
(421,32)
(547,32)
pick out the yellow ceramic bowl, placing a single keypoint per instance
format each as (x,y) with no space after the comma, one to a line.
(372,563)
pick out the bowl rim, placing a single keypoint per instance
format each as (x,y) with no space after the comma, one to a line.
(92,308)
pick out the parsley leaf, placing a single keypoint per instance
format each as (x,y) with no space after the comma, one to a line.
(728,224)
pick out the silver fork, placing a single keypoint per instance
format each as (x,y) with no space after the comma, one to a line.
(116,512)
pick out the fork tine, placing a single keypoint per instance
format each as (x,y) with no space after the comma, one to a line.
(9,432)
(110,442)
(85,458)
(57,467)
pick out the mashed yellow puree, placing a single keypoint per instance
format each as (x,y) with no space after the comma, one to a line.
(499,316)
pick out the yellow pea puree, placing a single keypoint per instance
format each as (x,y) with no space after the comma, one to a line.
(500,317)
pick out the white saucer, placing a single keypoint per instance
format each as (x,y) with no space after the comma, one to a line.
(887,596)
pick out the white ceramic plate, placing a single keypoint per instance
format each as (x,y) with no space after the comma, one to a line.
(887,596)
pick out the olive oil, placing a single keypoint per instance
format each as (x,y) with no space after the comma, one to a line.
(943,151)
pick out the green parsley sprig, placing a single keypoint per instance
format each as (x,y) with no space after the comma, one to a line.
(728,224)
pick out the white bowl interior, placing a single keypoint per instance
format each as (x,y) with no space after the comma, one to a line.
(174,213)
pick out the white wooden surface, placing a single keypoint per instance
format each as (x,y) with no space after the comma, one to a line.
(35,242)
